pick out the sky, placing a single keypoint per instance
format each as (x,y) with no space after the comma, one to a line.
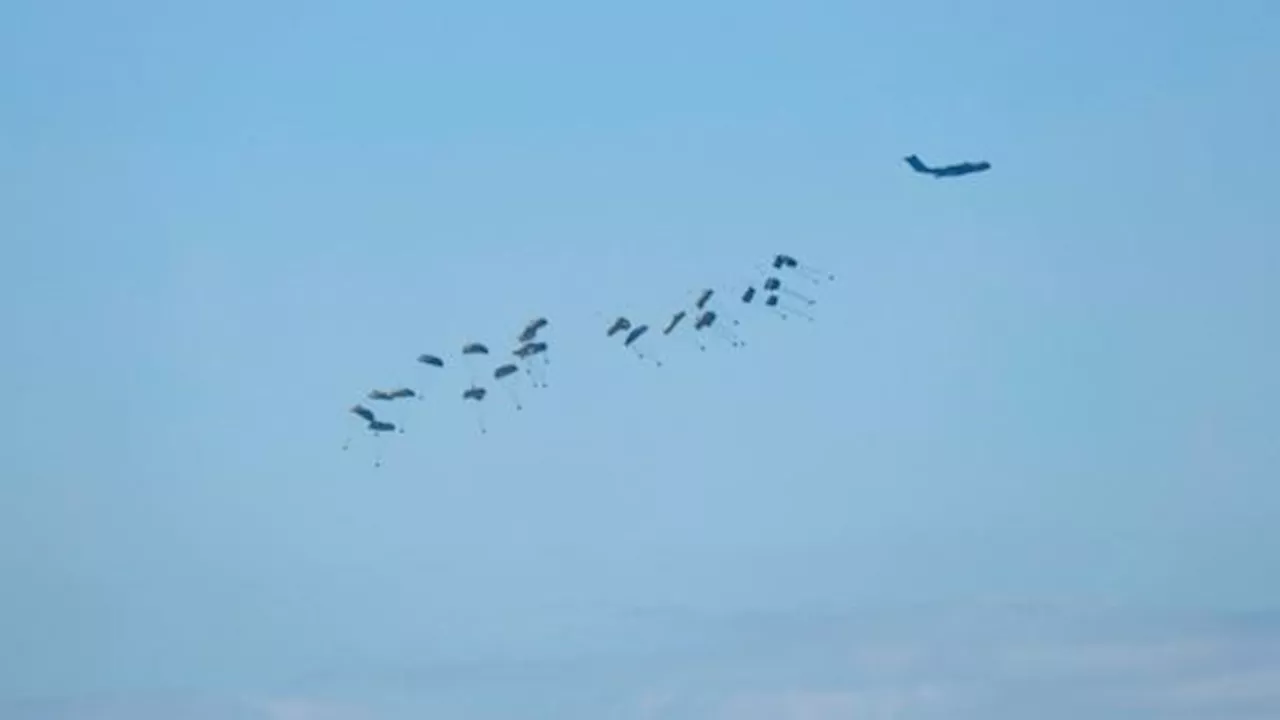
(1033,418)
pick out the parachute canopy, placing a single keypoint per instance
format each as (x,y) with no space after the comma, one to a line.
(675,320)
(635,334)
(387,395)
(531,330)
(619,325)
(529,349)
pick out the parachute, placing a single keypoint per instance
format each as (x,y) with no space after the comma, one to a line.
(431,361)
(675,320)
(787,262)
(471,353)
(534,369)
(785,311)
(774,285)
(502,373)
(530,331)
(636,333)
(620,325)
(477,394)
(363,413)
(388,395)
(703,298)
(529,349)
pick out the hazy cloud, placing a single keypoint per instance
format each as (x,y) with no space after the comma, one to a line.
(992,663)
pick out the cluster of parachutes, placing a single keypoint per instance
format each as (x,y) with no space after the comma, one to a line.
(707,319)
(529,352)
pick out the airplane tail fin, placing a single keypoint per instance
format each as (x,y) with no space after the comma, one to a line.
(915,164)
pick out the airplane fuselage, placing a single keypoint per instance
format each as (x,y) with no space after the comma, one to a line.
(949,170)
(962,169)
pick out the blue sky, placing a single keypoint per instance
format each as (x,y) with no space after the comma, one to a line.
(1050,383)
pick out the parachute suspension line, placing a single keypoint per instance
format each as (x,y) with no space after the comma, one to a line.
(472,370)
(802,298)
(541,376)
(786,310)
(649,357)
(377,449)
(528,371)
(515,397)
(728,334)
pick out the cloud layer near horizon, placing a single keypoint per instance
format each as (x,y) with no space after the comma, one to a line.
(920,665)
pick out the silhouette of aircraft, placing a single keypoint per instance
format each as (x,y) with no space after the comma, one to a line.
(947,171)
